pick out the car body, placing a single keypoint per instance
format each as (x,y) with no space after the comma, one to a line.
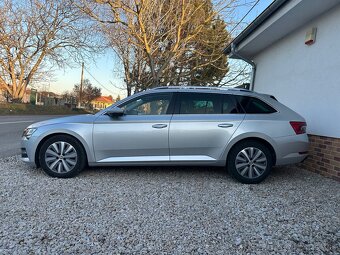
(175,126)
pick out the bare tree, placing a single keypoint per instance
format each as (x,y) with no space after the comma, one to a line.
(35,34)
(203,64)
(239,73)
(159,35)
(130,57)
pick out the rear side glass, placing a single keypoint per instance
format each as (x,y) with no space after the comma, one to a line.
(199,103)
(252,105)
(230,105)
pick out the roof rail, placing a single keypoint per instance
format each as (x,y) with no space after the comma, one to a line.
(202,87)
(186,87)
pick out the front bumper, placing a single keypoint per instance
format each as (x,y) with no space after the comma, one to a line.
(28,148)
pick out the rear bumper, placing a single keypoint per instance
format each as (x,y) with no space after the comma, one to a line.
(291,149)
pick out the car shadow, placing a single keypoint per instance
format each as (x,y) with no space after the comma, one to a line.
(278,174)
(164,170)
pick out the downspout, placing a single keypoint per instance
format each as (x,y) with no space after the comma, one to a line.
(250,62)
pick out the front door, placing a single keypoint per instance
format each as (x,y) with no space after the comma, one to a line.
(140,135)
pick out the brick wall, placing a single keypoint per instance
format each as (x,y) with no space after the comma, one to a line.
(324,156)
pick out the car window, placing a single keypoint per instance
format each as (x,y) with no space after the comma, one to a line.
(156,104)
(252,105)
(199,103)
(230,105)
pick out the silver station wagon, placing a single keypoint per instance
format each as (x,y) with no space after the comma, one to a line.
(246,132)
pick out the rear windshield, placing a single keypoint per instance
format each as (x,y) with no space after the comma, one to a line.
(252,105)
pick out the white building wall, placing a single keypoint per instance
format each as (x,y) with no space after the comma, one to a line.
(306,78)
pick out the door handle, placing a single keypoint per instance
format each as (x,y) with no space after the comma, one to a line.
(159,126)
(225,125)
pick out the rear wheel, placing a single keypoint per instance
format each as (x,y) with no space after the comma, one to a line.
(250,162)
(62,156)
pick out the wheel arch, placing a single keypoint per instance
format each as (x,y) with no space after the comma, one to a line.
(45,138)
(254,137)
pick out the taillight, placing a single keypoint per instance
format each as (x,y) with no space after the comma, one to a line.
(299,127)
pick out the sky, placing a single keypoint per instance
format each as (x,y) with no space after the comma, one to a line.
(106,72)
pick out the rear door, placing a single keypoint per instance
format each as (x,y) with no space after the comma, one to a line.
(202,125)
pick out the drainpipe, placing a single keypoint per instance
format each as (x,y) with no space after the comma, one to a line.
(250,62)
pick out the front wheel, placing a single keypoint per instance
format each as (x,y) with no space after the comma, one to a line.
(250,162)
(62,156)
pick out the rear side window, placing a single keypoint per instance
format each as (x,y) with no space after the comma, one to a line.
(199,103)
(252,105)
(230,105)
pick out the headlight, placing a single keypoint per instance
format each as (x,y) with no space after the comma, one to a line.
(28,132)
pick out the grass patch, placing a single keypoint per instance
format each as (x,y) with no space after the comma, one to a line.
(28,109)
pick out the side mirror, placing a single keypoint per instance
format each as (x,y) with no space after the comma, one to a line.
(115,112)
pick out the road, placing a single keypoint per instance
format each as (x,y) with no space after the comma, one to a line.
(11,128)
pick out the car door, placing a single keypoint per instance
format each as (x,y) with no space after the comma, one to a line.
(202,125)
(140,135)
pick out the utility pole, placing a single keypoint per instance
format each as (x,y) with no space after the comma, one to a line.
(81,85)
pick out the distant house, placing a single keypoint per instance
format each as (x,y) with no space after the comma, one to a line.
(294,49)
(50,98)
(102,102)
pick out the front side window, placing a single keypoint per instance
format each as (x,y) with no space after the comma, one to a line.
(156,104)
(199,103)
(252,105)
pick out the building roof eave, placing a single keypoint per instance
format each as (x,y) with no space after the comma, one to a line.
(280,19)
(268,12)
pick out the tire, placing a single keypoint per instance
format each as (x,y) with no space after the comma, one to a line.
(250,162)
(62,156)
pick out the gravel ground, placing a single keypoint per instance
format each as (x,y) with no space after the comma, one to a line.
(155,210)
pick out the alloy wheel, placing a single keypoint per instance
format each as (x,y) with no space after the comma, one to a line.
(251,162)
(61,157)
